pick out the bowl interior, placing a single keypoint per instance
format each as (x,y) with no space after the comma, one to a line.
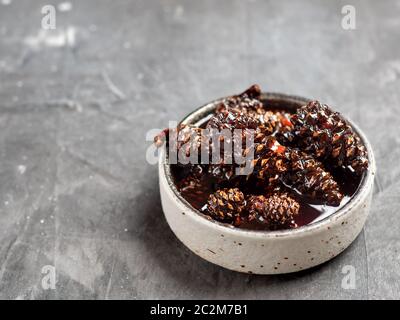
(290,104)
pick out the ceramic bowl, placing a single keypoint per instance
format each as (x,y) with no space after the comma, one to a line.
(265,252)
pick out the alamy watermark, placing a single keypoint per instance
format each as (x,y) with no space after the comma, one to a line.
(49,277)
(349,17)
(49,17)
(349,279)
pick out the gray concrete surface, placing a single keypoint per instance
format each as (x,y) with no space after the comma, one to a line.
(75,104)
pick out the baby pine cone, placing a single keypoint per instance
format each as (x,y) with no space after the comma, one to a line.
(324,133)
(247,100)
(226,204)
(276,211)
(298,170)
(309,178)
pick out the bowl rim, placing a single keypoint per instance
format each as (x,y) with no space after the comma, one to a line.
(359,196)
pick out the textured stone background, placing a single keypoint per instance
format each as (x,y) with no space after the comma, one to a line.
(76,103)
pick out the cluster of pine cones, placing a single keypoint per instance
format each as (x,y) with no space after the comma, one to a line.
(290,155)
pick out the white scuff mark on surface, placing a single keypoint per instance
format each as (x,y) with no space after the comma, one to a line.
(92,28)
(67,103)
(112,87)
(6,2)
(64,6)
(389,73)
(178,12)
(396,65)
(80,262)
(74,105)
(71,32)
(387,76)
(127,45)
(21,169)
(52,38)
(3,31)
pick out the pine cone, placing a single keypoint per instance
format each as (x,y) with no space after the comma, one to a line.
(320,131)
(247,100)
(183,135)
(308,176)
(232,113)
(247,111)
(237,112)
(276,122)
(270,160)
(189,139)
(300,171)
(276,211)
(229,118)
(226,204)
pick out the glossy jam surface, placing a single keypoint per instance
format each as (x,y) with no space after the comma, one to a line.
(310,210)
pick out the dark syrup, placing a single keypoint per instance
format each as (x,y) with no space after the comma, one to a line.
(310,210)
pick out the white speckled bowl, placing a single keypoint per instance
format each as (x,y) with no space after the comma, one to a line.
(265,252)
